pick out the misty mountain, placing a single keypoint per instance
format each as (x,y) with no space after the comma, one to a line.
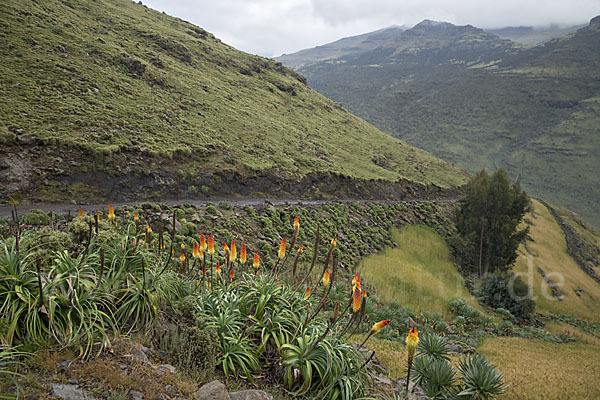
(477,100)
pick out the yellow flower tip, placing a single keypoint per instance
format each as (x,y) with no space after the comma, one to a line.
(202,243)
(378,326)
(136,218)
(326,278)
(333,242)
(243,255)
(356,298)
(300,249)
(226,248)
(354,279)
(111,213)
(80,212)
(231,272)
(364,293)
(307,293)
(196,251)
(182,258)
(256,262)
(233,253)
(282,249)
(211,246)
(218,269)
(412,340)
(296,224)
(182,246)
(148,229)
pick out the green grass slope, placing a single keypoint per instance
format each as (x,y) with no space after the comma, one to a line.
(95,90)
(418,273)
(477,101)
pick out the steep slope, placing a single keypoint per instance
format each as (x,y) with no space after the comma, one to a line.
(110,99)
(531,36)
(476,100)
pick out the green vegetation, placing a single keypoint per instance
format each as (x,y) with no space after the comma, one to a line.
(477,101)
(488,222)
(95,91)
(417,273)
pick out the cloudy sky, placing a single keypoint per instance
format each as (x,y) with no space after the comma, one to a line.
(273,27)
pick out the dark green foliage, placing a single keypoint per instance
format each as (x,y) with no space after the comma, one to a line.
(36,217)
(184,334)
(507,291)
(481,380)
(433,346)
(488,221)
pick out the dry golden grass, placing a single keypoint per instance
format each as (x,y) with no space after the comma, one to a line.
(549,252)
(417,274)
(542,370)
(561,327)
(391,354)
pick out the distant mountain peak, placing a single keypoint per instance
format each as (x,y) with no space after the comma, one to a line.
(595,22)
(428,23)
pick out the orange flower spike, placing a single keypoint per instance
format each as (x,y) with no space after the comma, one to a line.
(211,245)
(282,249)
(136,218)
(243,254)
(111,213)
(182,246)
(233,254)
(148,229)
(326,278)
(256,263)
(412,340)
(231,272)
(196,251)
(296,224)
(307,293)
(202,243)
(364,293)
(354,279)
(333,242)
(182,258)
(226,249)
(356,298)
(80,212)
(218,269)
(378,326)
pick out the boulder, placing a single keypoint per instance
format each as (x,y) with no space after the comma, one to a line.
(250,395)
(214,390)
(68,392)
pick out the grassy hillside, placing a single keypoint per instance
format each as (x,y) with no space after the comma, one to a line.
(418,273)
(478,101)
(548,253)
(92,91)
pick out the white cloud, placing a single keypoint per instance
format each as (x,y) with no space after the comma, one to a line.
(273,27)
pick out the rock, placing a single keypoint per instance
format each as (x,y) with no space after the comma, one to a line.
(411,322)
(135,395)
(163,355)
(139,356)
(170,390)
(147,352)
(454,348)
(214,390)
(250,395)
(73,382)
(68,392)
(414,392)
(64,366)
(166,368)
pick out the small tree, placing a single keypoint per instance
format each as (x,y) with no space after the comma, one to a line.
(488,221)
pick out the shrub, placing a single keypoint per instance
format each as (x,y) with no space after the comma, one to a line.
(184,334)
(36,217)
(211,209)
(504,290)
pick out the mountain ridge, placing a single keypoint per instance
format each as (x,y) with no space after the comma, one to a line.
(477,100)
